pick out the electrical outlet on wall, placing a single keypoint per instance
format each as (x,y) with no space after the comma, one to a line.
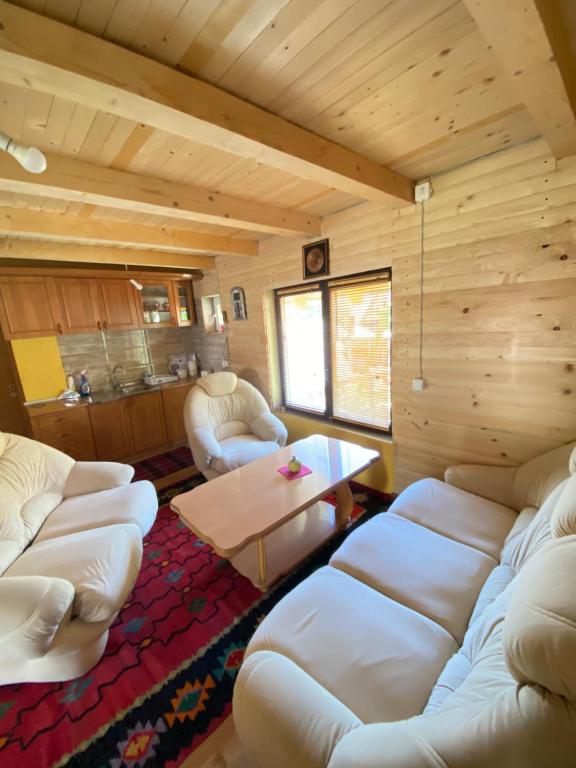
(418,385)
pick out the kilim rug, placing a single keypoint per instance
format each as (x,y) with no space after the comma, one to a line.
(164,464)
(165,681)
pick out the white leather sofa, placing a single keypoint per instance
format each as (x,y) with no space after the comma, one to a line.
(70,551)
(441,635)
(229,424)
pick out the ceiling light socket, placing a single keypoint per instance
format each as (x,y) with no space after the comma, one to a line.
(30,158)
(423,192)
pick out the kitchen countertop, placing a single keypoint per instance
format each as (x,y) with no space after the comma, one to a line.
(103,396)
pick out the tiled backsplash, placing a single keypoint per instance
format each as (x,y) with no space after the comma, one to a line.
(137,352)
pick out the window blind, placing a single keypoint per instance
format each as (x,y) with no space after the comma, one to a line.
(360,343)
(335,347)
(302,349)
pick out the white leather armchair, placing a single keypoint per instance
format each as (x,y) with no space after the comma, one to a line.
(229,424)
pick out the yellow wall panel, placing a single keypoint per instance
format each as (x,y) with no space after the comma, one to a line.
(39,367)
(379,476)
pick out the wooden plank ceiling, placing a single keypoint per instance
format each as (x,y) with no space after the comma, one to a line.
(410,85)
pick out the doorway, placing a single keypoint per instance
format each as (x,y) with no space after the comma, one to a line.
(12,415)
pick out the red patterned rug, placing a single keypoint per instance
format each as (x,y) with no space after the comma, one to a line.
(166,679)
(164,464)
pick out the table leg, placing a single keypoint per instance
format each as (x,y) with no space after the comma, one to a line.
(262,565)
(344,504)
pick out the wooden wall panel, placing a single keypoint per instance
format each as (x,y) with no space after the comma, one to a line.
(499,309)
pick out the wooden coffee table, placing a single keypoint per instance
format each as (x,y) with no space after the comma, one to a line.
(266,524)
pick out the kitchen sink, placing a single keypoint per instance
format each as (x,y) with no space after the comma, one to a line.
(132,389)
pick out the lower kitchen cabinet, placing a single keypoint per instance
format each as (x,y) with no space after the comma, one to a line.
(68,430)
(111,430)
(129,426)
(173,400)
(120,430)
(146,421)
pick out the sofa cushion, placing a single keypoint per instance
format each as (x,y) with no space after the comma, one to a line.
(518,550)
(457,514)
(535,480)
(378,657)
(136,503)
(540,625)
(428,572)
(32,479)
(482,643)
(237,451)
(494,585)
(93,476)
(563,517)
(102,566)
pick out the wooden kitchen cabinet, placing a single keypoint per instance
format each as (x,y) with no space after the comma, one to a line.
(28,307)
(127,429)
(111,430)
(184,302)
(157,304)
(42,305)
(67,429)
(146,421)
(79,306)
(129,426)
(173,400)
(118,308)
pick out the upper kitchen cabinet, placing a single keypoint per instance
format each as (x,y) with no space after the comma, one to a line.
(184,302)
(157,304)
(118,307)
(79,305)
(29,307)
(50,305)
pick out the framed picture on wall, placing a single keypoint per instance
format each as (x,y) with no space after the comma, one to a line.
(238,301)
(315,259)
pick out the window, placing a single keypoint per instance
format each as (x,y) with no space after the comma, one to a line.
(334,342)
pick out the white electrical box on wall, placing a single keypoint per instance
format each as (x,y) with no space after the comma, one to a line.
(423,192)
(418,385)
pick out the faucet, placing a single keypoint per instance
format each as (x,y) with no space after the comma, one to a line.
(115,377)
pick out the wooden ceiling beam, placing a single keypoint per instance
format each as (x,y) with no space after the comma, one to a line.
(45,55)
(528,38)
(69,179)
(42,250)
(57,226)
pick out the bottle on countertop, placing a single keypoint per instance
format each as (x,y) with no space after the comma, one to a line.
(192,365)
(84,384)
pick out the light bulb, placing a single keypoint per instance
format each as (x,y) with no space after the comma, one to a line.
(29,158)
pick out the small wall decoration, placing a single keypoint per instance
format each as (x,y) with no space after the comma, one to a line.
(315,259)
(238,301)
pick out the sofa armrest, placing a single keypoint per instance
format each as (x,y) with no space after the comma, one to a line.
(266,426)
(31,610)
(283,716)
(494,483)
(94,476)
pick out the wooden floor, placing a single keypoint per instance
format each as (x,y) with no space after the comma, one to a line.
(220,750)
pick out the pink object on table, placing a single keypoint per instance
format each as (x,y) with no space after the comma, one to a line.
(293,475)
